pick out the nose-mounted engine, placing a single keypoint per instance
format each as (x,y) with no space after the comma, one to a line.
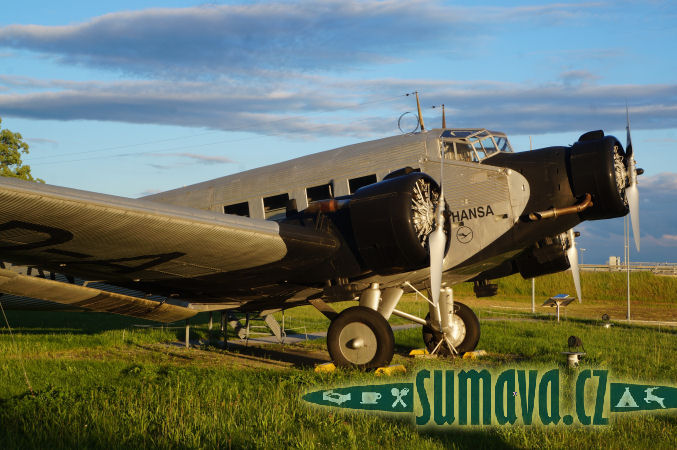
(599,165)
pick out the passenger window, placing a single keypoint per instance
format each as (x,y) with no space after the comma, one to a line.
(321,192)
(359,182)
(275,205)
(237,209)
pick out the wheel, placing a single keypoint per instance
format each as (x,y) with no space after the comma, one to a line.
(465,332)
(360,337)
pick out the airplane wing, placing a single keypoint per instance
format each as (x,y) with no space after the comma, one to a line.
(89,298)
(131,242)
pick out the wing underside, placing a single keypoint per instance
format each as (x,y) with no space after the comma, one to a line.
(129,242)
(92,299)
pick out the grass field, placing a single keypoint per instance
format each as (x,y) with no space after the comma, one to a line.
(96,381)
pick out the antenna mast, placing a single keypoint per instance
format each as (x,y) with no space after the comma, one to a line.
(444,117)
(420,117)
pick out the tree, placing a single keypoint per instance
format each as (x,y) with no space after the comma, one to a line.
(11,148)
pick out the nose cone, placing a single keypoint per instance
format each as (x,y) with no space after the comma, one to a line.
(596,166)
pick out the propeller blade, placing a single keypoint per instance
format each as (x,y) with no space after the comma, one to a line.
(437,243)
(632,195)
(628,140)
(631,191)
(572,254)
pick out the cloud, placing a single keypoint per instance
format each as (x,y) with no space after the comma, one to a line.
(233,38)
(149,192)
(267,69)
(325,105)
(661,183)
(577,77)
(202,159)
(35,141)
(226,105)
(299,35)
(163,166)
(658,221)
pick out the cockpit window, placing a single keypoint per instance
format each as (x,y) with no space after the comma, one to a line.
(503,144)
(473,145)
(489,146)
(479,150)
(464,151)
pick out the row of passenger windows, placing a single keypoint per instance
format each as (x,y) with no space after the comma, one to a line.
(277,204)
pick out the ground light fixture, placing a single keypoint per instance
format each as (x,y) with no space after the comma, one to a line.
(575,352)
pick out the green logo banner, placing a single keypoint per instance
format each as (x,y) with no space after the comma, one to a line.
(472,397)
(393,397)
(639,397)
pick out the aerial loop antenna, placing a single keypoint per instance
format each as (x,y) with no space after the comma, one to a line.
(399,123)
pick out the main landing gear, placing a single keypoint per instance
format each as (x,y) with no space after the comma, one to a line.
(362,337)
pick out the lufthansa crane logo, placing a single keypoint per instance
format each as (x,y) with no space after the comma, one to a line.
(464,235)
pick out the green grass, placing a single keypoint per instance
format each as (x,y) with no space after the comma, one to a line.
(645,286)
(99,383)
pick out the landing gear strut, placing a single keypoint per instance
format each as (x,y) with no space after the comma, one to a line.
(360,337)
(464,333)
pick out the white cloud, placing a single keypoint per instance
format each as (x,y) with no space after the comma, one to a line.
(298,35)
(665,183)
(325,105)
(268,69)
(233,38)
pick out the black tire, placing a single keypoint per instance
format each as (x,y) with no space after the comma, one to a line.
(472,332)
(365,323)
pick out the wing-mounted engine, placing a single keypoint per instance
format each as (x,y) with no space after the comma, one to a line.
(391,221)
(549,255)
(545,257)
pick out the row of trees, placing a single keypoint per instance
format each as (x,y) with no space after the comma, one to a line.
(12,146)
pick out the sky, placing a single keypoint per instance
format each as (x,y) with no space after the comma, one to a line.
(136,97)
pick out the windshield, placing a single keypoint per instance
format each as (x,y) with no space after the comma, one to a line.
(473,145)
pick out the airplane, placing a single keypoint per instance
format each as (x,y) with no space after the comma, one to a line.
(367,222)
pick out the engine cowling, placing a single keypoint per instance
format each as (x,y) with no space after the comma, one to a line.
(596,167)
(391,221)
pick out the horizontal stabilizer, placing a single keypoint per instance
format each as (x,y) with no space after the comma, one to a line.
(90,298)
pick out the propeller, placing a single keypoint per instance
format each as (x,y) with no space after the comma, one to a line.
(631,192)
(437,242)
(572,255)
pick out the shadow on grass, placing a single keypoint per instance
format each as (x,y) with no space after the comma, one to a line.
(77,322)
(296,356)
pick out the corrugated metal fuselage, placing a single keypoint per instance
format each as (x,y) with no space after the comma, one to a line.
(483,200)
